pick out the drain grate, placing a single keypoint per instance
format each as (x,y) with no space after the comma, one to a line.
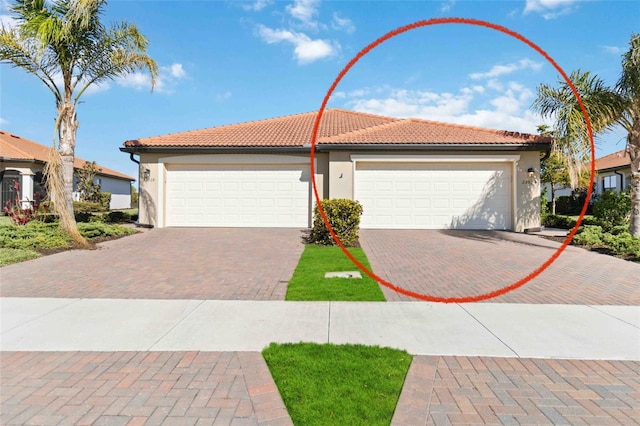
(343,274)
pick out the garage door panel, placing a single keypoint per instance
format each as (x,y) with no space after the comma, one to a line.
(237,195)
(434,195)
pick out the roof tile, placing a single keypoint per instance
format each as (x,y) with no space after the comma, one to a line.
(614,160)
(13,147)
(336,127)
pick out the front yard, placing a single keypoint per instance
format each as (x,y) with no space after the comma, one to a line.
(21,243)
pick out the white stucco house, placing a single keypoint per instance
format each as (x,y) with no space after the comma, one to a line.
(613,172)
(22,161)
(407,173)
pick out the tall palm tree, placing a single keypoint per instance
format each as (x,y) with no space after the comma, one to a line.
(607,108)
(66,46)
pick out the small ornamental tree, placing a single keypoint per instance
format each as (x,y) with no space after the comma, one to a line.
(343,216)
(87,187)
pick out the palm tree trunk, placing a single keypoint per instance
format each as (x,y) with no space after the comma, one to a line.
(634,154)
(61,187)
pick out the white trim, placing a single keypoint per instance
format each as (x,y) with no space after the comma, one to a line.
(161,189)
(436,158)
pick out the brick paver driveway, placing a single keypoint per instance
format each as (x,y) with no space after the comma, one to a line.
(169,263)
(466,263)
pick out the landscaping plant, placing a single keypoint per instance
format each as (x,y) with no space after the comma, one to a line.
(344,217)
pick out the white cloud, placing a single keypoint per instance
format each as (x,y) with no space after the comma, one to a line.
(177,71)
(498,70)
(3,121)
(614,50)
(550,9)
(304,11)
(508,109)
(447,5)
(165,81)
(342,24)
(256,6)
(306,50)
(223,96)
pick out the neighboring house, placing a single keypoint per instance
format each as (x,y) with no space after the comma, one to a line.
(407,173)
(23,160)
(613,172)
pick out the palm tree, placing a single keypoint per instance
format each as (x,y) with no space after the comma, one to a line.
(607,108)
(65,45)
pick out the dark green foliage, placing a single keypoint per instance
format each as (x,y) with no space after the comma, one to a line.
(556,221)
(343,216)
(105,200)
(571,204)
(117,217)
(134,197)
(87,187)
(544,204)
(618,241)
(87,207)
(338,385)
(612,208)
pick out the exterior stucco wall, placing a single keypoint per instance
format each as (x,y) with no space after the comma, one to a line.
(120,189)
(152,208)
(623,181)
(335,178)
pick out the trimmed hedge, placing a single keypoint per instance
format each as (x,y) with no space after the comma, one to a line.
(344,217)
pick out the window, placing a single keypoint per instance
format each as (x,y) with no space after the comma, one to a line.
(610,183)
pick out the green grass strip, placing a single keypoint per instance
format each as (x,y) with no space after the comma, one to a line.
(309,284)
(338,385)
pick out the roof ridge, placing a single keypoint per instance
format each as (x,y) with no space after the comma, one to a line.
(624,153)
(392,123)
(224,126)
(365,114)
(482,129)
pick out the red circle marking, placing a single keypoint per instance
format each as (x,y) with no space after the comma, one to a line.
(367,49)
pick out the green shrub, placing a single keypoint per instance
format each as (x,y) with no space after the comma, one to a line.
(612,208)
(116,217)
(623,243)
(101,230)
(557,221)
(343,216)
(544,204)
(588,235)
(571,204)
(87,207)
(105,200)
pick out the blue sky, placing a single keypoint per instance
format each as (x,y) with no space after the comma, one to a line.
(225,62)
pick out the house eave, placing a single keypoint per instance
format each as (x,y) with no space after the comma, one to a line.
(333,147)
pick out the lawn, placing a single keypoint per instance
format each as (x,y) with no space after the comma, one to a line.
(338,384)
(20,243)
(308,282)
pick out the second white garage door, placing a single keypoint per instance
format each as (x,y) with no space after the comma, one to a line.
(434,195)
(247,195)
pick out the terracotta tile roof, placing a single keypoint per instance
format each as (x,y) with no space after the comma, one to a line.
(337,127)
(618,159)
(16,148)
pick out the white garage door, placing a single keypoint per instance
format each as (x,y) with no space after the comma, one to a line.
(434,195)
(247,195)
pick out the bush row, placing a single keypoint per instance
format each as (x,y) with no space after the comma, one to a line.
(39,235)
(618,240)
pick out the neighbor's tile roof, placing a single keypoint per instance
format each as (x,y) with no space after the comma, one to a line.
(337,127)
(615,160)
(16,148)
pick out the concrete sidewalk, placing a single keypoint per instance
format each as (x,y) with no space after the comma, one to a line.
(487,329)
